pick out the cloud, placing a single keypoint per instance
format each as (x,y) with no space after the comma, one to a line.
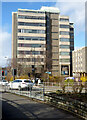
(76,48)
(5,46)
(75,11)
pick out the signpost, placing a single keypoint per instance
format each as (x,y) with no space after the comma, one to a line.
(48,75)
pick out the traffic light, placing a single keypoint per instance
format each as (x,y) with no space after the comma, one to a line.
(14,72)
(33,69)
(28,74)
(2,73)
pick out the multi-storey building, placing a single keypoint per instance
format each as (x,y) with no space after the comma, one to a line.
(79,61)
(46,35)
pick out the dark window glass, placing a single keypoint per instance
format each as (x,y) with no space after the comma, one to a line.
(30,11)
(31,24)
(64,53)
(31,31)
(31,38)
(64,26)
(65,20)
(64,39)
(65,46)
(31,17)
(64,33)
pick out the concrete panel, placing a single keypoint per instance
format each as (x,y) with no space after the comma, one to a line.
(64,43)
(31,42)
(64,36)
(31,21)
(28,49)
(32,34)
(64,29)
(31,14)
(63,23)
(32,27)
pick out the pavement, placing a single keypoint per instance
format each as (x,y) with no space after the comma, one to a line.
(15,107)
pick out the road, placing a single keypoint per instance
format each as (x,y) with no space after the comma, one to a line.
(18,107)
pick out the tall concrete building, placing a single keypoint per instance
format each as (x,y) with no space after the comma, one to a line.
(80,61)
(43,38)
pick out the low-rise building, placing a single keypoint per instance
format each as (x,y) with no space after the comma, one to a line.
(79,61)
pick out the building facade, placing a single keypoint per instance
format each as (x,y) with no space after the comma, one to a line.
(43,38)
(80,61)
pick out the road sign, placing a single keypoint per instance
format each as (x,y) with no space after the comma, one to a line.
(48,72)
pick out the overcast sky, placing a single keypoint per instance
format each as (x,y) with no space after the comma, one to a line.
(75,10)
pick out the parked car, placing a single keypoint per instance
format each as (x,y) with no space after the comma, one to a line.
(20,84)
(3,82)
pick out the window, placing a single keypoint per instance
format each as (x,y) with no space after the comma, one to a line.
(65,46)
(64,60)
(30,11)
(31,17)
(31,52)
(54,39)
(65,53)
(64,39)
(30,45)
(31,38)
(65,20)
(71,29)
(64,26)
(71,34)
(31,31)
(31,24)
(71,40)
(64,33)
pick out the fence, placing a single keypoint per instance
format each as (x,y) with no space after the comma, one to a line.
(48,87)
(36,92)
(66,103)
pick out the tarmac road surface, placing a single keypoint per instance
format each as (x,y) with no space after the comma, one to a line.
(15,107)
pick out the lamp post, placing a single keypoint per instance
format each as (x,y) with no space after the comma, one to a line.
(33,60)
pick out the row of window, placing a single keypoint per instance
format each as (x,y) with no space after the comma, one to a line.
(64,33)
(65,53)
(31,24)
(64,60)
(40,18)
(31,38)
(31,52)
(64,39)
(54,39)
(33,11)
(30,45)
(31,31)
(65,46)
(64,26)
(30,59)
(30,11)
(31,17)
(40,24)
(65,20)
